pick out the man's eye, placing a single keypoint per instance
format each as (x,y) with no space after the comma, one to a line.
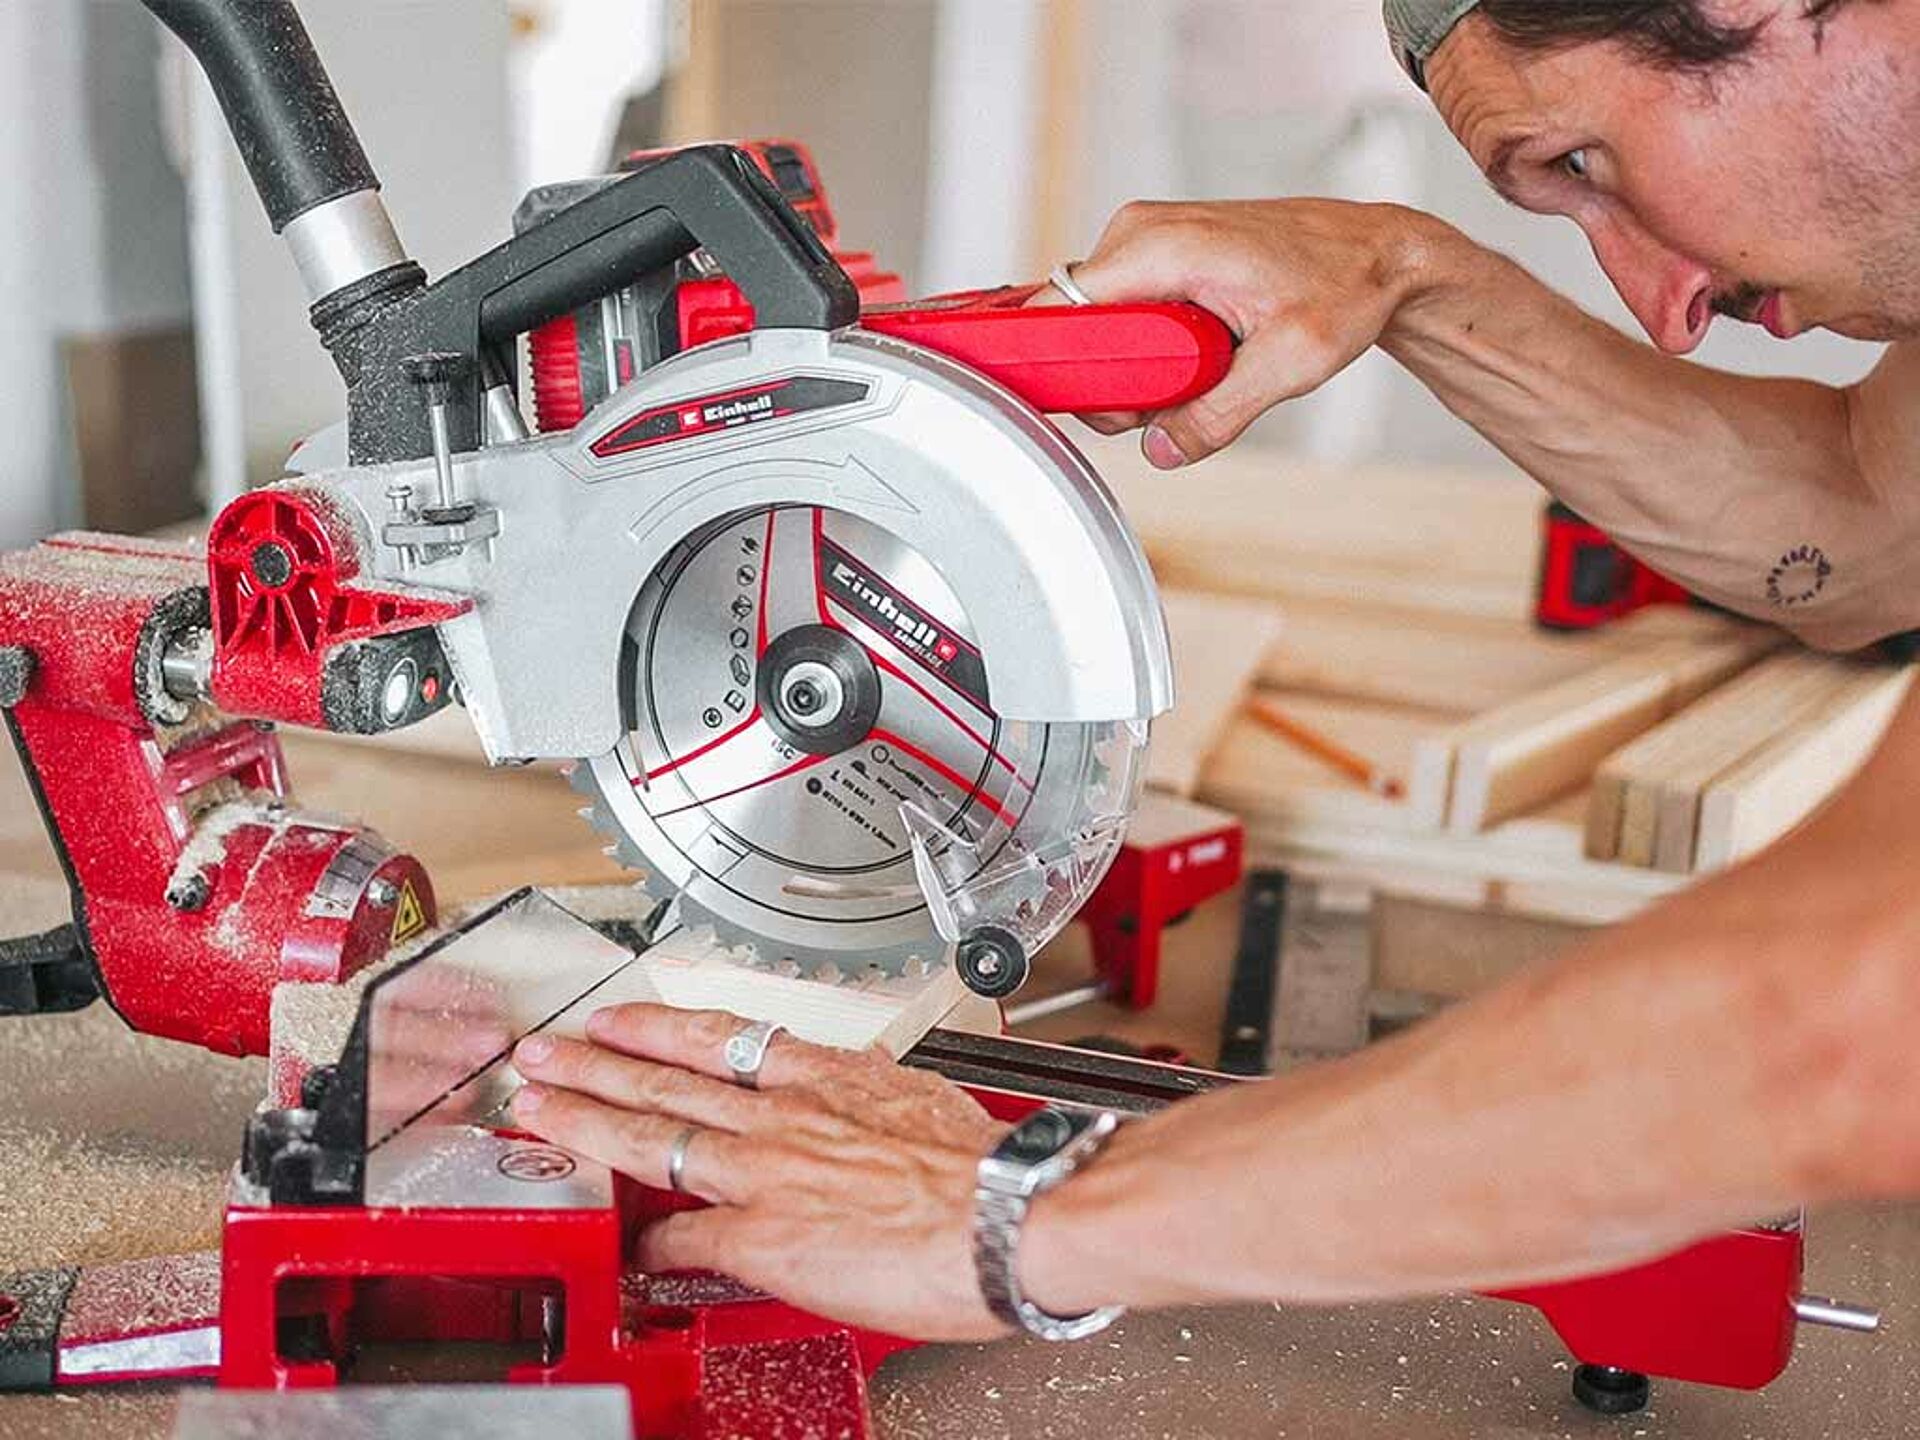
(1574,162)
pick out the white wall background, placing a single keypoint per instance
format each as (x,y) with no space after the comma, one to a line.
(92,226)
(425,83)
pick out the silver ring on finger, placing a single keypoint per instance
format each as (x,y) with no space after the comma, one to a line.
(746,1052)
(1061,279)
(677,1160)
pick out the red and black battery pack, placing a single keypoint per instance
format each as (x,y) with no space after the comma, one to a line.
(575,362)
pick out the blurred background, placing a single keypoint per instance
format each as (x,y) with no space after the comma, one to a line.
(159,357)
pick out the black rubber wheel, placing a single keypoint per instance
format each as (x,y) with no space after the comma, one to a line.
(992,962)
(1607,1391)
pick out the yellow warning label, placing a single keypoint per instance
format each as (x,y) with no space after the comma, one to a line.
(409,916)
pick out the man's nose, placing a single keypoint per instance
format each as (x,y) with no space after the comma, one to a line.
(1670,295)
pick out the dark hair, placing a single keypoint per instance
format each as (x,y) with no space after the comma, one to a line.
(1675,33)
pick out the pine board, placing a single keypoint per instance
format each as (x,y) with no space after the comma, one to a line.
(1458,664)
(1779,785)
(1742,722)
(1259,522)
(1257,772)
(1519,756)
(1637,769)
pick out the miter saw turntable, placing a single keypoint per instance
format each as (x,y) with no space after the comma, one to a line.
(852,655)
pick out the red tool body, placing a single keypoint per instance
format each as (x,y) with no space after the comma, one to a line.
(189,909)
(1157,879)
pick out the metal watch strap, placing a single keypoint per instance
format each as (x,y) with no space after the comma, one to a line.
(999,1216)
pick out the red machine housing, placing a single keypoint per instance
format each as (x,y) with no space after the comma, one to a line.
(1175,857)
(1717,1313)
(300,1288)
(283,569)
(197,887)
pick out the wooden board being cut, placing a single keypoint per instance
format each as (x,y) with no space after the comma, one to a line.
(690,972)
(686,970)
(1218,645)
(1780,784)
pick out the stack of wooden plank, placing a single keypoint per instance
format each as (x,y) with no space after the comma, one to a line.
(1571,777)
(1729,775)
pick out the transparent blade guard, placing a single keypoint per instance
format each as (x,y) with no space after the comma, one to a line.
(1031,877)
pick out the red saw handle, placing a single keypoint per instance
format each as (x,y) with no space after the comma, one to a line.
(1068,359)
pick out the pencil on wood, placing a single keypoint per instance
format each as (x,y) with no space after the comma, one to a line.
(1324,747)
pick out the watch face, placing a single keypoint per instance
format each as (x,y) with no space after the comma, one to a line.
(1038,1137)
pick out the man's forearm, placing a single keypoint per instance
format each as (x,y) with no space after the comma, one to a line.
(1749,491)
(1723,1059)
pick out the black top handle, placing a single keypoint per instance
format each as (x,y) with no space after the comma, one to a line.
(706,197)
(709,197)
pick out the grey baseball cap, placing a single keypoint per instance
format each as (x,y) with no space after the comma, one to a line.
(1416,28)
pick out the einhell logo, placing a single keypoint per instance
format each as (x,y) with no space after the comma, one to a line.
(714,414)
(732,412)
(850,584)
(883,606)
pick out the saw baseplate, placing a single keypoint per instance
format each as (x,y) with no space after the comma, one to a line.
(813,767)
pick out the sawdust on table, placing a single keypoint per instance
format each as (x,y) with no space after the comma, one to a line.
(60,1194)
(137,1295)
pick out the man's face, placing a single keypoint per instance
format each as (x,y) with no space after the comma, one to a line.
(1784,188)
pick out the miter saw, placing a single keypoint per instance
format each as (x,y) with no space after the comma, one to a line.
(852,653)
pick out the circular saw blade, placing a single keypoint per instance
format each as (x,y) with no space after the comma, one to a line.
(793,830)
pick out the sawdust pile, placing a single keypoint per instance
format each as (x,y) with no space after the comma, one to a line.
(113,1145)
(67,1201)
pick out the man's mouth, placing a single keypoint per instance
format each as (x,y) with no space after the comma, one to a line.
(1755,306)
(1772,315)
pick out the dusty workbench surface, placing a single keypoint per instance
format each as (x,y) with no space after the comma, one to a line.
(114,1146)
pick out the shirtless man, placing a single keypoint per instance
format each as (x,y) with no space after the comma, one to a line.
(1745,1047)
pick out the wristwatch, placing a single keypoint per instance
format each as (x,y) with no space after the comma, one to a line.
(1035,1156)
